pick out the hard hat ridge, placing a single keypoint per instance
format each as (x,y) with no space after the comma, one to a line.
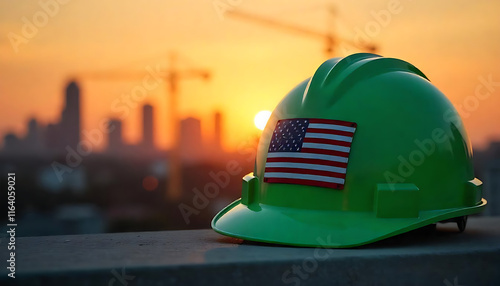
(336,76)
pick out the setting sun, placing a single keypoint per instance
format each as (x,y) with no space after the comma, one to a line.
(261,119)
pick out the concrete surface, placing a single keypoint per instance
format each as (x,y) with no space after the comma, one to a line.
(203,257)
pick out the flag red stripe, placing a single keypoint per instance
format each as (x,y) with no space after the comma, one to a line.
(308,161)
(327,141)
(329,131)
(305,171)
(304,182)
(334,122)
(325,152)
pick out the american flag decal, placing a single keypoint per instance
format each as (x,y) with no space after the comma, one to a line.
(312,152)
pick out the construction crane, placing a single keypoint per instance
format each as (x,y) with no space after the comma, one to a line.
(331,40)
(173,76)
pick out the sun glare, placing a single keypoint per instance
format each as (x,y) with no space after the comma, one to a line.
(261,119)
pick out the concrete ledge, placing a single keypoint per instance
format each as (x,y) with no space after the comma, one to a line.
(203,257)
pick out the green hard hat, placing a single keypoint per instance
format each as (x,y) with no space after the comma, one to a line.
(366,149)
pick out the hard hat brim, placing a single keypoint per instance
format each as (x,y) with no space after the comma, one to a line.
(321,228)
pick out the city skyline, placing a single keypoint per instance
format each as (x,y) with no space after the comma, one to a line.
(54,137)
(66,133)
(252,66)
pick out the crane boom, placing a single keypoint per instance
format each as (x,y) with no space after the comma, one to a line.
(330,39)
(281,25)
(127,76)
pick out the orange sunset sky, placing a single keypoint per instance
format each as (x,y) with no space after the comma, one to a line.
(455,43)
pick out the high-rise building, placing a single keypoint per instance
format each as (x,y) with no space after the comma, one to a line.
(115,139)
(33,137)
(70,119)
(491,178)
(147,126)
(190,143)
(11,144)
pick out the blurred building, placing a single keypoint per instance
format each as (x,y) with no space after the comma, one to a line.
(33,140)
(27,145)
(191,148)
(146,148)
(147,126)
(70,117)
(491,190)
(115,137)
(11,143)
(490,165)
(57,136)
